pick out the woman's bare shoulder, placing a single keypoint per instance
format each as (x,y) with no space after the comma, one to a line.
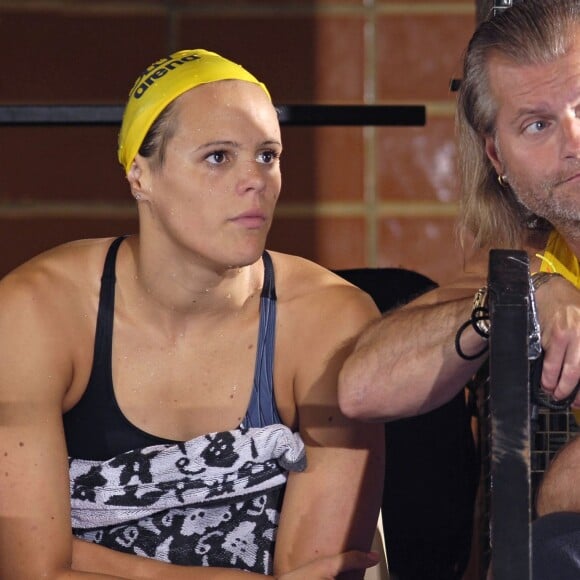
(48,309)
(57,274)
(296,275)
(310,286)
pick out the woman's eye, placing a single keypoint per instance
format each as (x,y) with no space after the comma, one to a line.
(268,156)
(216,157)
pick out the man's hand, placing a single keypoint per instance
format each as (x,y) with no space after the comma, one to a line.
(558,304)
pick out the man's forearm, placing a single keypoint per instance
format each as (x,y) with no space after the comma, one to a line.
(406,363)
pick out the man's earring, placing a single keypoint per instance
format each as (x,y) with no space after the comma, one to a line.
(503,181)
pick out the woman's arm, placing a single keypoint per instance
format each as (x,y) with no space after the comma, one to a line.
(333,505)
(91,557)
(36,371)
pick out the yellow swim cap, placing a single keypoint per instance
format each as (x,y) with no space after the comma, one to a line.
(161,83)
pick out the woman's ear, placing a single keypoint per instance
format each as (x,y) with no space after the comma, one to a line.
(139,179)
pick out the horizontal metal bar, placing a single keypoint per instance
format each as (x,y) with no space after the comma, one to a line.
(61,114)
(293,115)
(353,115)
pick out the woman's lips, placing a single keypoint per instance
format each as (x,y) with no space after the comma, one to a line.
(250,219)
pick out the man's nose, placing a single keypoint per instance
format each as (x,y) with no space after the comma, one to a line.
(571,130)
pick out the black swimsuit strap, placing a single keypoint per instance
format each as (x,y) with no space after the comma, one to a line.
(269,288)
(106,312)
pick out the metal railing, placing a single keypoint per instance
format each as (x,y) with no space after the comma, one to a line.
(296,115)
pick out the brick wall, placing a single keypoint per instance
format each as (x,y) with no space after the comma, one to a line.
(352,196)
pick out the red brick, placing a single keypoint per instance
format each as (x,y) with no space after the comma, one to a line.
(427,245)
(70,57)
(322,164)
(27,237)
(419,54)
(418,163)
(333,242)
(61,164)
(300,58)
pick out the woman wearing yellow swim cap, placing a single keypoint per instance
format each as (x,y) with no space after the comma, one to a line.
(162,82)
(176,388)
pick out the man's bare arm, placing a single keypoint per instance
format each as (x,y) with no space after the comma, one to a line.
(406,363)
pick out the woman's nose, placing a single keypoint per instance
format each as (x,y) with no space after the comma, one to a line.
(251,177)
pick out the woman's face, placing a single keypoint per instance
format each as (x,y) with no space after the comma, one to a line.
(216,192)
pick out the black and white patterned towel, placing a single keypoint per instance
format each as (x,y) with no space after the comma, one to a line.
(212,501)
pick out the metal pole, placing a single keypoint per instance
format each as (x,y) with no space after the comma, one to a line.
(510,493)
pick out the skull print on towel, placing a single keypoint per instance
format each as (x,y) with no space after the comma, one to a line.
(212,501)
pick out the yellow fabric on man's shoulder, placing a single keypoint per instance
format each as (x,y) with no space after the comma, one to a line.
(559,258)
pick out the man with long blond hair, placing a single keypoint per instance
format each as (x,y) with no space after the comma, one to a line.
(518,122)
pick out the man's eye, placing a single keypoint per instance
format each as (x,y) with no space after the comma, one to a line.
(535,127)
